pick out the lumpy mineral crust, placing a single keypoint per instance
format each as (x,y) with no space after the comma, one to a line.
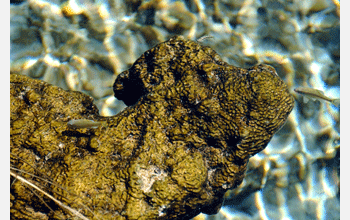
(191,124)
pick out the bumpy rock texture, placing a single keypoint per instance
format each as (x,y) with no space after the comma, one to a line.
(192,123)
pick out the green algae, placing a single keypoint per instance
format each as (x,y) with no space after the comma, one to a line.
(192,123)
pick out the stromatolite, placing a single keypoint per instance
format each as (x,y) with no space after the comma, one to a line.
(192,123)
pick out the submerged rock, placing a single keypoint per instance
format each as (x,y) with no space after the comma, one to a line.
(192,124)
